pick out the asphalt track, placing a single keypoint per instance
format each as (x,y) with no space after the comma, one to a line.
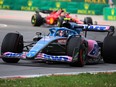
(19,21)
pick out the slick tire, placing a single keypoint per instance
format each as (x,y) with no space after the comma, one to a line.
(12,42)
(37,20)
(88,20)
(75,43)
(109,49)
(60,21)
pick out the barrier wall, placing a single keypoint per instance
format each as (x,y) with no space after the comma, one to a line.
(109,14)
(92,7)
(114,2)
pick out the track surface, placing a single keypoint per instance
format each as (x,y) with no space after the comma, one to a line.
(12,21)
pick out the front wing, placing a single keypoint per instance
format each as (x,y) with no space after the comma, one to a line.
(40,56)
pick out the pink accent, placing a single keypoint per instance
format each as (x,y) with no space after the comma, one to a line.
(91,45)
(24,55)
(41,56)
(107,28)
(6,53)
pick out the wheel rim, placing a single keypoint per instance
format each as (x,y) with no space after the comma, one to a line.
(33,21)
(82,57)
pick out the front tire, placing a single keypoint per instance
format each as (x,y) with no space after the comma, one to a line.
(12,42)
(76,48)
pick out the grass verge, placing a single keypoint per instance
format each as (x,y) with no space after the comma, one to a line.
(81,80)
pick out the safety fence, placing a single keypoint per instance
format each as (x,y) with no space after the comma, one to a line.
(92,7)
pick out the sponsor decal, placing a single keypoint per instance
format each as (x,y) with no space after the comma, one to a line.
(58,6)
(29,6)
(113,14)
(86,6)
(1,2)
(2,6)
(112,11)
(62,41)
(57,58)
(96,1)
(95,50)
(62,0)
(86,10)
(30,2)
(15,55)
(97,27)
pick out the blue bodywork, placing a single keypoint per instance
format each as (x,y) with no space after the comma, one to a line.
(42,43)
(74,29)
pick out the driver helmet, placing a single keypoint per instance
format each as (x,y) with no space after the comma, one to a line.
(62,33)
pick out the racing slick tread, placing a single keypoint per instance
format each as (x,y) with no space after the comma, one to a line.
(77,43)
(12,42)
(109,49)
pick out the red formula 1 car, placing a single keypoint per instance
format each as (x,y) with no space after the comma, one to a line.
(56,18)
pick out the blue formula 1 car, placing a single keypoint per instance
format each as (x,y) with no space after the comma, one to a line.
(62,44)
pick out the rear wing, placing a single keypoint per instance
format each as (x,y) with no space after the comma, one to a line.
(94,28)
(97,28)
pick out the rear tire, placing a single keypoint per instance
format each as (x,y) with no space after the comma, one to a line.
(88,20)
(12,42)
(77,49)
(109,49)
(37,20)
(60,21)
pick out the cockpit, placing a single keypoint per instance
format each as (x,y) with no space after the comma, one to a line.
(62,32)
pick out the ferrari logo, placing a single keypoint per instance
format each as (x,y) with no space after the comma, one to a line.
(30,2)
(86,6)
(58,4)
(1,2)
(112,11)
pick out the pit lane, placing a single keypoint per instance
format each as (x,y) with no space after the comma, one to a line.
(19,21)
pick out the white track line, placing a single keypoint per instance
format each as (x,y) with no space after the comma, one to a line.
(3,25)
(71,73)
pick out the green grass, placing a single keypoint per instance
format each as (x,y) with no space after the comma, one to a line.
(81,80)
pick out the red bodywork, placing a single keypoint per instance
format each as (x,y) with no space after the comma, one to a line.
(73,19)
(53,17)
